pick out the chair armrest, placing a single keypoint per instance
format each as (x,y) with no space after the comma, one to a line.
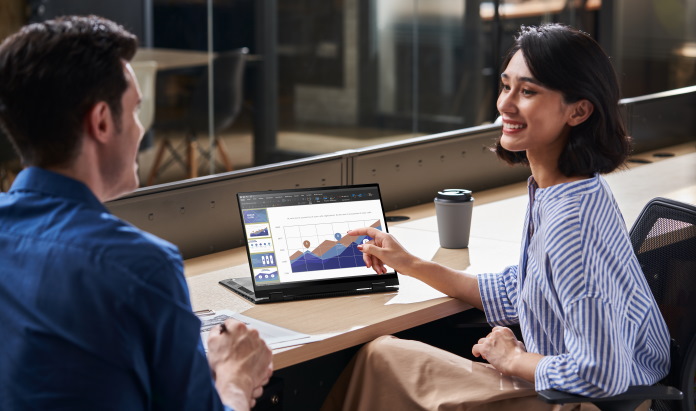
(635,392)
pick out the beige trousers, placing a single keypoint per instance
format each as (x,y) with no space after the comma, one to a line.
(394,374)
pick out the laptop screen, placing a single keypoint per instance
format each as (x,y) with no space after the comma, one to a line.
(299,236)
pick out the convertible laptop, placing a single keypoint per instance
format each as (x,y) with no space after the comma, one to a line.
(298,246)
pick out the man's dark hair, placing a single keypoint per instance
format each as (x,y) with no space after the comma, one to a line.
(51,74)
(571,62)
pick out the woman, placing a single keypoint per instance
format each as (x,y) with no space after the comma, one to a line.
(588,318)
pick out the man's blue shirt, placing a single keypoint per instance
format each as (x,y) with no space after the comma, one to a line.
(94,313)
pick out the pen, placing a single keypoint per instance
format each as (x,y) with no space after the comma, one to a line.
(207,311)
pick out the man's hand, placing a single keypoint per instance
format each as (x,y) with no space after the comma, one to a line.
(508,355)
(241,363)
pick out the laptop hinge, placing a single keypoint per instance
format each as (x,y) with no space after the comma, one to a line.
(381,286)
(277,296)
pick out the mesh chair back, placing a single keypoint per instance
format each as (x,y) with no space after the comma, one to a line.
(664,240)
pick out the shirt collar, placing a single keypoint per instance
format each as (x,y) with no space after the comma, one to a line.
(574,188)
(48,183)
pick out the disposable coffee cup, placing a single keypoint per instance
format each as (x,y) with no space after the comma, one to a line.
(453,208)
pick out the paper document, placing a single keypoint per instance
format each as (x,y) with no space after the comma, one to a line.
(423,244)
(275,337)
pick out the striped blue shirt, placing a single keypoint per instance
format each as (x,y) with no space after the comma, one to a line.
(579,295)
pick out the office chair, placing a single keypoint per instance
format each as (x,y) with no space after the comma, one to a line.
(146,74)
(228,74)
(664,240)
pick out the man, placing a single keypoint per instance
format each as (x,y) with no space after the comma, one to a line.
(94,313)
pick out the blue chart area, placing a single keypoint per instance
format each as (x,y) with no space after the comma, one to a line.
(338,257)
(331,254)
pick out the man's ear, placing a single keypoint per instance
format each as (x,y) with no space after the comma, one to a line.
(99,122)
(581,111)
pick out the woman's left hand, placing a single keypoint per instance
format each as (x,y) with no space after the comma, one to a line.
(501,349)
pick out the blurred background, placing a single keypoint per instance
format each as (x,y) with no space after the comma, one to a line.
(231,84)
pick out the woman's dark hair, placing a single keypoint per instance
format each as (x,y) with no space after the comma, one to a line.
(51,74)
(571,62)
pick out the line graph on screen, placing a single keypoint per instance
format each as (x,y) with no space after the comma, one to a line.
(313,247)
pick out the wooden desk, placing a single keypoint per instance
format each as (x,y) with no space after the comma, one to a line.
(494,244)
(168,59)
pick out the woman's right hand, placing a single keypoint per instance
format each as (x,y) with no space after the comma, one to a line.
(384,249)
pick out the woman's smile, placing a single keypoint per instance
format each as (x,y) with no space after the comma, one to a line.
(513,127)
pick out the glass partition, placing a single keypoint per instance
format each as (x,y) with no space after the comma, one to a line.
(361,72)
(231,84)
(653,44)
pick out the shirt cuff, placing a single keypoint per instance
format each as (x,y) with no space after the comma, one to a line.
(541,374)
(496,305)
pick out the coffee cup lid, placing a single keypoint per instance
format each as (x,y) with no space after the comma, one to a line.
(454,194)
